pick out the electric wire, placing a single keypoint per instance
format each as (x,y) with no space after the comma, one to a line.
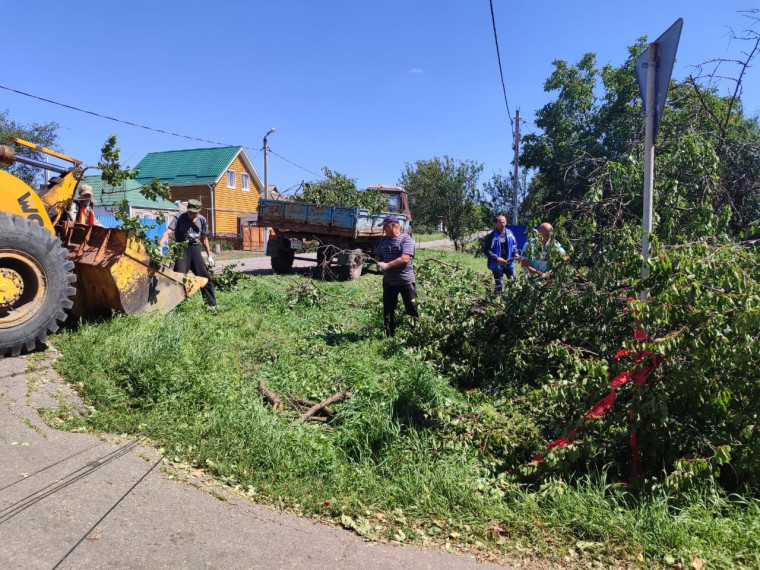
(501,72)
(133,124)
(294,164)
(108,512)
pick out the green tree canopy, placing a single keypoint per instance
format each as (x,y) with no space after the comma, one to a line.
(498,195)
(339,190)
(43,134)
(446,190)
(588,159)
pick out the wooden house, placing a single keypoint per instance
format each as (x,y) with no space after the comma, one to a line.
(108,197)
(222,178)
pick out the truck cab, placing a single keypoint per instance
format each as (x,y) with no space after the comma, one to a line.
(398,199)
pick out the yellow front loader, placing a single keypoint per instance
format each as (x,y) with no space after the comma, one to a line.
(50,267)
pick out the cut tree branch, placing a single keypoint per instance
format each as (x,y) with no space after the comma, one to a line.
(342,395)
(271,397)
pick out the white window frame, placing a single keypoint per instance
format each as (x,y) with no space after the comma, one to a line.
(245,182)
(231,174)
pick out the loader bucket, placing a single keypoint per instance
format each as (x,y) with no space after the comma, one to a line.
(115,273)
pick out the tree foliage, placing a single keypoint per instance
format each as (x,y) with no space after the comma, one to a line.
(589,156)
(114,174)
(445,190)
(43,134)
(498,195)
(339,190)
(553,350)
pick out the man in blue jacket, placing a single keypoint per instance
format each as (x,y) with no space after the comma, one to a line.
(499,248)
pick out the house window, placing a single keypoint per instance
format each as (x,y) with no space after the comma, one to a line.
(230,179)
(245,182)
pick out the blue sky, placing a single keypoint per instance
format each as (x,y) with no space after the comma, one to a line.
(359,87)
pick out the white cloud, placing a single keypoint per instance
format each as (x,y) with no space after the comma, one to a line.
(415,71)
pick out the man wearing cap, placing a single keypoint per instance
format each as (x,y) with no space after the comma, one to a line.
(394,256)
(82,209)
(190,226)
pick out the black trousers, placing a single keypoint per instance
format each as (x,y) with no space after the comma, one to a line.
(191,260)
(390,302)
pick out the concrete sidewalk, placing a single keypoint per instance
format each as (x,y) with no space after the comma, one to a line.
(73,500)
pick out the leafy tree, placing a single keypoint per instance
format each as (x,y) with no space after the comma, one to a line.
(446,189)
(587,125)
(339,190)
(589,157)
(498,195)
(43,134)
(114,174)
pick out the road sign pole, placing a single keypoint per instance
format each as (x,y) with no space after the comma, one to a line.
(648,162)
(516,181)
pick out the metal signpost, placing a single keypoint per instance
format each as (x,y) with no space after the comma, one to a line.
(653,70)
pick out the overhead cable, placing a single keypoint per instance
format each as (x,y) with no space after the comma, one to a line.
(501,72)
(294,164)
(117,120)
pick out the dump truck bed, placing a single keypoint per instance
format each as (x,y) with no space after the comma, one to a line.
(325,221)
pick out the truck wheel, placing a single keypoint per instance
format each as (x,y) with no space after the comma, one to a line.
(36,284)
(354,268)
(321,255)
(283,262)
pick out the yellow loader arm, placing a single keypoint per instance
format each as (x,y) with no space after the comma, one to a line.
(49,267)
(47,206)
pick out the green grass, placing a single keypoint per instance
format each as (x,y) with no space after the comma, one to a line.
(429,237)
(406,458)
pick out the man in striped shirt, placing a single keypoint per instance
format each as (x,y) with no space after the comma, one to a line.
(394,256)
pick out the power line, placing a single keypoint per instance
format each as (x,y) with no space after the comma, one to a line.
(117,120)
(501,72)
(133,124)
(294,164)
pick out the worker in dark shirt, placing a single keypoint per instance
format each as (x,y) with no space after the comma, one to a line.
(394,256)
(191,227)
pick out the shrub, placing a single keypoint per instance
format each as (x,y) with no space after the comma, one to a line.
(552,346)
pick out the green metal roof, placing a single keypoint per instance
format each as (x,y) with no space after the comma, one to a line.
(107,195)
(192,166)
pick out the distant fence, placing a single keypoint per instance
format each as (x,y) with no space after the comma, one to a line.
(155,232)
(225,241)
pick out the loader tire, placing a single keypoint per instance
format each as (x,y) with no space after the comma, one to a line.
(36,284)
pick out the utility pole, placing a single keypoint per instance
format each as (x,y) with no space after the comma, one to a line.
(266,182)
(517,167)
(266,186)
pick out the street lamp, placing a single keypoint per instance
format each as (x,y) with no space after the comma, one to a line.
(266,183)
(266,187)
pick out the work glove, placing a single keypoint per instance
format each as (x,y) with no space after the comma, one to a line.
(382,266)
(211,261)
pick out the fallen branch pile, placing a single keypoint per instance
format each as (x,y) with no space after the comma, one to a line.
(309,410)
